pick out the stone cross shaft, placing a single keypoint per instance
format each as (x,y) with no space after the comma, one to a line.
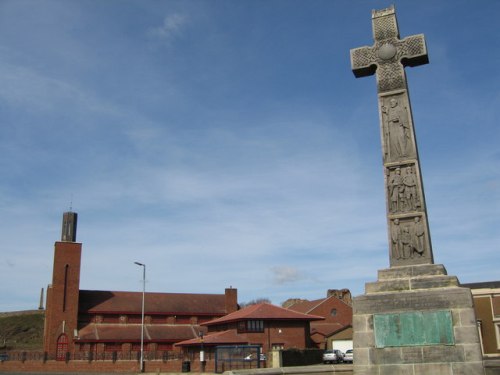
(408,229)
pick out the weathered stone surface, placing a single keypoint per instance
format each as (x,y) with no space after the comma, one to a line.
(362,355)
(422,300)
(362,323)
(466,335)
(412,354)
(443,353)
(432,369)
(364,339)
(433,282)
(386,355)
(367,370)
(472,353)
(411,271)
(467,317)
(407,214)
(396,369)
(469,368)
(387,286)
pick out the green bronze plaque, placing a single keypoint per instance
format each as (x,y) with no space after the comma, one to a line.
(413,329)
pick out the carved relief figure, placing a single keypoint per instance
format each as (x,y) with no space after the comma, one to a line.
(397,130)
(418,237)
(396,240)
(410,188)
(406,243)
(396,189)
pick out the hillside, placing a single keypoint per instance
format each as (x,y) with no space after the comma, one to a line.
(22,330)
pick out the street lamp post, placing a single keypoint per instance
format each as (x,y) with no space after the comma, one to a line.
(142,318)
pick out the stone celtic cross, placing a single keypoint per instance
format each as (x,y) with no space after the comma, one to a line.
(408,229)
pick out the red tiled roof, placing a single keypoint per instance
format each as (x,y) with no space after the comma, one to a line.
(306,306)
(96,301)
(263,311)
(325,329)
(132,332)
(217,338)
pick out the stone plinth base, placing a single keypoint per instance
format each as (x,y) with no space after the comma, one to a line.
(416,320)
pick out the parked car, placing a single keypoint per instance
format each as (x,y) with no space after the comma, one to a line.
(348,356)
(333,356)
(251,357)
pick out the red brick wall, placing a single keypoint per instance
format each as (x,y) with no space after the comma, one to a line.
(95,366)
(231,300)
(344,312)
(62,295)
(291,334)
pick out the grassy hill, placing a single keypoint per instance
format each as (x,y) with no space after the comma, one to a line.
(22,330)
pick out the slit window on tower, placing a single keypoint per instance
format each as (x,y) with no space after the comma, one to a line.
(65,286)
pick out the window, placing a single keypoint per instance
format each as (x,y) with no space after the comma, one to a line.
(62,347)
(113,347)
(251,326)
(333,312)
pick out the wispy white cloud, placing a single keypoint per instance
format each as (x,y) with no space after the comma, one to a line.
(172,27)
(285,274)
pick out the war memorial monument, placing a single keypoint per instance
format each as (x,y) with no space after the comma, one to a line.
(415,319)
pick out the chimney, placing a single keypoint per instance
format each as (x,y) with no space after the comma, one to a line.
(40,306)
(231,300)
(68,233)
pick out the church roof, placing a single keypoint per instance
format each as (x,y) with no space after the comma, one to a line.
(96,301)
(307,307)
(132,332)
(263,311)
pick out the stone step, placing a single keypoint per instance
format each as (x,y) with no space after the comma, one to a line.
(411,271)
(411,283)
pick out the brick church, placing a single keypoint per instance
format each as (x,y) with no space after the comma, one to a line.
(96,322)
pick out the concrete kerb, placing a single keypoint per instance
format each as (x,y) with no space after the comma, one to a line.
(296,370)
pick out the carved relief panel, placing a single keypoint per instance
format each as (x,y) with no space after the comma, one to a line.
(408,240)
(403,190)
(397,129)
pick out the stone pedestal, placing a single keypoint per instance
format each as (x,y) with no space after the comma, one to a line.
(416,320)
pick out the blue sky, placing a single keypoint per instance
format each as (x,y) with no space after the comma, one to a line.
(227,143)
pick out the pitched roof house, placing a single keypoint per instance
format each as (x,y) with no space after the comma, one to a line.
(263,324)
(336,311)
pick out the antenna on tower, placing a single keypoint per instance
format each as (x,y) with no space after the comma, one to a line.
(71,203)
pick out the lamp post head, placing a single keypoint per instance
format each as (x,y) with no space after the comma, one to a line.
(140,264)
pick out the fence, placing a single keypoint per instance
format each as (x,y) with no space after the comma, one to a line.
(23,356)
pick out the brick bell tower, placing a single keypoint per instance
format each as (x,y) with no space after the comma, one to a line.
(61,316)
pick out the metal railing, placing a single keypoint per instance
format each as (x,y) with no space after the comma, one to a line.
(90,356)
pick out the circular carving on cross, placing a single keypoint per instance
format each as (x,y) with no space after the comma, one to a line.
(387,51)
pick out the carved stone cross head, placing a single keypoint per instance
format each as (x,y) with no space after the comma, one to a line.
(389,55)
